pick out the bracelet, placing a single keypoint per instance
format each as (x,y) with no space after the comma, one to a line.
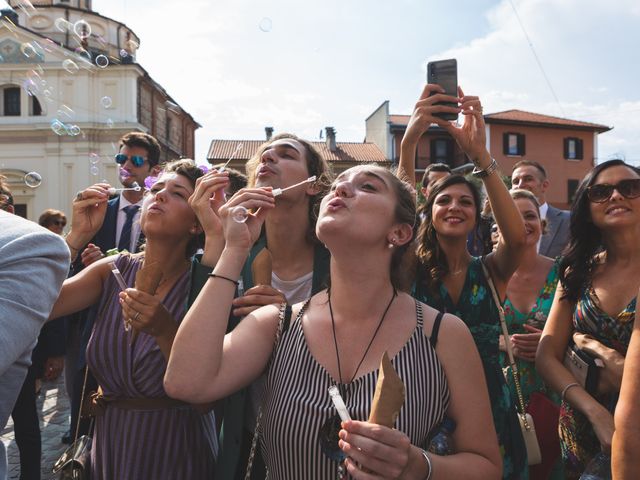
(484,173)
(215,275)
(69,245)
(564,390)
(428,459)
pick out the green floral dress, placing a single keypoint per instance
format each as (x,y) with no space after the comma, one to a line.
(478,310)
(530,380)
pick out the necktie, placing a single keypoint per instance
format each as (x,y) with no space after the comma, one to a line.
(125,236)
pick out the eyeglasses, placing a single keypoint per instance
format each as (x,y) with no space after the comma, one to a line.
(602,192)
(137,160)
(60,223)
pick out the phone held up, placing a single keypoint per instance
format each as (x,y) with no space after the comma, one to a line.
(445,74)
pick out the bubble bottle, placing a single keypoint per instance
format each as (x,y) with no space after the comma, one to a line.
(442,441)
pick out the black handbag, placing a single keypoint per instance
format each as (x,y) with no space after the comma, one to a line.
(75,461)
(583,366)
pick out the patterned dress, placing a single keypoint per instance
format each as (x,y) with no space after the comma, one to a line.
(480,313)
(530,380)
(171,443)
(578,441)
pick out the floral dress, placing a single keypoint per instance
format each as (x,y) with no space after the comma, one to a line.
(578,441)
(530,380)
(480,313)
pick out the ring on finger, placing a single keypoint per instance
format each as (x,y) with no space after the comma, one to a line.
(135,318)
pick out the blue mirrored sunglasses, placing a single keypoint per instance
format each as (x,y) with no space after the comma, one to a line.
(137,160)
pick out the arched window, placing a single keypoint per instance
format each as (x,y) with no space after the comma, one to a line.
(35,109)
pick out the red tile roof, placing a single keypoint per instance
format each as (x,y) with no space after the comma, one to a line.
(520,116)
(221,150)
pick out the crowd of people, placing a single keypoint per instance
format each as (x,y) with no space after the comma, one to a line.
(237,303)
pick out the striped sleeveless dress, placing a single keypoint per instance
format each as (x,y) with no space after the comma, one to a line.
(297,402)
(172,443)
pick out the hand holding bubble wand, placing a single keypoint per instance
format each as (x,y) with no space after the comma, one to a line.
(240,214)
(233,155)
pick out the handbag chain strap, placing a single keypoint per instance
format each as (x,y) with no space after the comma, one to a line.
(256,431)
(82,399)
(507,343)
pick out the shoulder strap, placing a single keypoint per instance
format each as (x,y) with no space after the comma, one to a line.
(287,318)
(433,339)
(507,343)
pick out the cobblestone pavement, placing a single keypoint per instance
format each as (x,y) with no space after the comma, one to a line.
(53,406)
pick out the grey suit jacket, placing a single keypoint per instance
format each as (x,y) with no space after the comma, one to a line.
(553,242)
(33,264)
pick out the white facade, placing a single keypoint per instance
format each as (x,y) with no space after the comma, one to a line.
(72,96)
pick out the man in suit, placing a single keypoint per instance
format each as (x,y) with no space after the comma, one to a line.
(532,176)
(33,264)
(139,158)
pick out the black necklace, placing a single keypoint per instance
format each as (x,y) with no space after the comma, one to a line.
(328,434)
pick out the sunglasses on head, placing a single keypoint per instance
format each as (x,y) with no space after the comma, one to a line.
(137,160)
(602,192)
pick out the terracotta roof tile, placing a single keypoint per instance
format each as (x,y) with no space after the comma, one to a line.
(221,150)
(520,116)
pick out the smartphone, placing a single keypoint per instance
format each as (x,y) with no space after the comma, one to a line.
(445,74)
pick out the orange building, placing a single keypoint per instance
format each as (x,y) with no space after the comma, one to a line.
(566,148)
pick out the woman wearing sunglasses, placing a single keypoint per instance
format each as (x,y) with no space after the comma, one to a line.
(594,307)
(141,433)
(337,338)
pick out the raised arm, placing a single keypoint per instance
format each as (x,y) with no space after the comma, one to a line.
(225,363)
(625,460)
(421,119)
(471,138)
(549,363)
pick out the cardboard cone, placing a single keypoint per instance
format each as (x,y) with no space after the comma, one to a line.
(261,268)
(148,279)
(389,395)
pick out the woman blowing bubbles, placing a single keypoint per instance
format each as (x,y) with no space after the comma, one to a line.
(337,338)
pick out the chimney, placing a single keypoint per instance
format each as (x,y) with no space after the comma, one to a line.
(269,132)
(331,138)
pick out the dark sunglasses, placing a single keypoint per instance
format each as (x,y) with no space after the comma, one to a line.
(602,192)
(60,223)
(137,160)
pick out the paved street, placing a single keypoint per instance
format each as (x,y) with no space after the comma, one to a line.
(54,421)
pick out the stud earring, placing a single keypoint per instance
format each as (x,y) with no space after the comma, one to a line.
(392,243)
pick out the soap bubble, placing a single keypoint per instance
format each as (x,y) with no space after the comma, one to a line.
(58,127)
(73,130)
(62,24)
(239,214)
(70,66)
(65,111)
(33,179)
(124,53)
(102,61)
(265,24)
(28,50)
(30,87)
(94,170)
(109,123)
(94,158)
(82,29)
(106,102)
(83,53)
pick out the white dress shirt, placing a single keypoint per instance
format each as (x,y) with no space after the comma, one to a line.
(135,227)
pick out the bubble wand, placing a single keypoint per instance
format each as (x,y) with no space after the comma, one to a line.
(233,155)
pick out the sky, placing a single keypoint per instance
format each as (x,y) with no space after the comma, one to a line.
(298,66)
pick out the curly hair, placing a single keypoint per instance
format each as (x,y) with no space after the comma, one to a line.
(316,165)
(585,239)
(430,255)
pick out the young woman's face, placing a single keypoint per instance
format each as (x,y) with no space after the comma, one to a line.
(532,221)
(361,204)
(166,206)
(617,210)
(454,211)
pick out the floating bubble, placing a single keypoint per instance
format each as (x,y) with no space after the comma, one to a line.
(49,45)
(82,29)
(239,214)
(106,102)
(101,40)
(28,50)
(94,170)
(62,24)
(70,66)
(30,87)
(265,24)
(73,130)
(33,179)
(124,53)
(109,123)
(102,61)
(83,53)
(58,127)
(94,158)
(65,111)
(1,59)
